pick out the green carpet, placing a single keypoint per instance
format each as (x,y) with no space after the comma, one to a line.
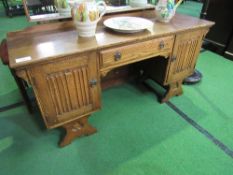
(209,102)
(140,138)
(190,8)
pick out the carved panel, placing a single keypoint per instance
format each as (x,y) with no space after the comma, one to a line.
(63,88)
(185,52)
(69,89)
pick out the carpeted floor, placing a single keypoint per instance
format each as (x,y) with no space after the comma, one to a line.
(142,137)
(136,135)
(209,103)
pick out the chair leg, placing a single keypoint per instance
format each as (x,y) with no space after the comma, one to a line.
(21,85)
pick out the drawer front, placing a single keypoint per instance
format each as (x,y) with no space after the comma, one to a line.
(123,55)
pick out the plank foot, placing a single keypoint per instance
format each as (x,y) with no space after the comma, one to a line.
(174,89)
(77,129)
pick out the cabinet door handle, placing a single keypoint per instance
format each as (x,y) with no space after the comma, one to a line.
(93,82)
(161,44)
(117,56)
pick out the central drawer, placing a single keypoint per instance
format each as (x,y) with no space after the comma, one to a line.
(122,55)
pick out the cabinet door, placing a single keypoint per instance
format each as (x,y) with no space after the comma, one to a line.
(66,89)
(185,52)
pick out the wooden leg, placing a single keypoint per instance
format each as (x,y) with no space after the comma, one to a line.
(76,129)
(23,91)
(173,89)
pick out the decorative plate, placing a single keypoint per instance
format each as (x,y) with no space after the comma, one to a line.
(128,24)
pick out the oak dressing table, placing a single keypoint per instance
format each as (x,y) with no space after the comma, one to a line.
(65,71)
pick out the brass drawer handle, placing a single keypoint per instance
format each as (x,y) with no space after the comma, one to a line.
(161,44)
(117,56)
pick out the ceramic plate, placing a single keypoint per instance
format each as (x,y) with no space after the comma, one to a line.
(128,24)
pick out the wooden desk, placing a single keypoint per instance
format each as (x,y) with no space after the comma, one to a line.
(65,71)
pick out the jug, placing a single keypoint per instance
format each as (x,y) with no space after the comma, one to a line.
(166,9)
(86,14)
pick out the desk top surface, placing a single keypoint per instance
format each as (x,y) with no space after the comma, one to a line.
(49,41)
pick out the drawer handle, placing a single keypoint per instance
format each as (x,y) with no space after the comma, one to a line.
(117,56)
(161,45)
